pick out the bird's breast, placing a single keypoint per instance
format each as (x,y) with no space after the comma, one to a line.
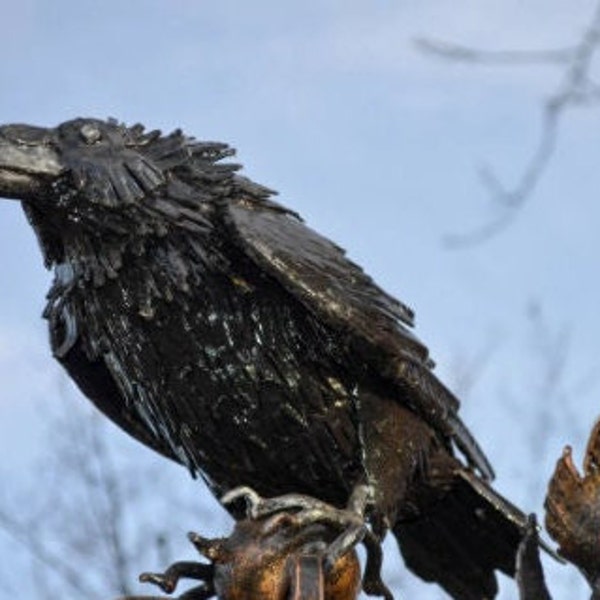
(235,375)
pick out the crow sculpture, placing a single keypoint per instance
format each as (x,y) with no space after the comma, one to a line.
(213,325)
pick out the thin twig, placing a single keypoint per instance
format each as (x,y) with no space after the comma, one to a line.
(576,89)
(512,199)
(450,51)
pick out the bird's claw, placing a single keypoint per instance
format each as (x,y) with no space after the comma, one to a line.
(277,557)
(299,509)
(308,509)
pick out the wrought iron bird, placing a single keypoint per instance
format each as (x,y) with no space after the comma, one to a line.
(213,325)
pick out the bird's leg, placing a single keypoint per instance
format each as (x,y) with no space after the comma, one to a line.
(305,510)
(372,582)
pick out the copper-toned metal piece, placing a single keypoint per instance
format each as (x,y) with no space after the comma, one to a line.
(282,563)
(265,559)
(573,509)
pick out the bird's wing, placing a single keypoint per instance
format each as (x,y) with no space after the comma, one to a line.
(375,325)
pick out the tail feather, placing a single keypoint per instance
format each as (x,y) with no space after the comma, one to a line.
(468,445)
(467,535)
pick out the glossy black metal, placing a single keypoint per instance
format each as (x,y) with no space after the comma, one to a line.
(214,326)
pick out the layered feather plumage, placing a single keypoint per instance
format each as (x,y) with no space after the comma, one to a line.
(213,325)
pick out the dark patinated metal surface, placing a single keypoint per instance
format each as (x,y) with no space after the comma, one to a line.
(214,326)
(530,575)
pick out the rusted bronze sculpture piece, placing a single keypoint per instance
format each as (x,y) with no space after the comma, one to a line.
(573,510)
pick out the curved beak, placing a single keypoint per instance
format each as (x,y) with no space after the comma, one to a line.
(28,162)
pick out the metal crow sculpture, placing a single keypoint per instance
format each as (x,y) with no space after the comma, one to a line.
(213,325)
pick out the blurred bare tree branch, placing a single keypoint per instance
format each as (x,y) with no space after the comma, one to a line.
(452,52)
(577,88)
(26,536)
(92,529)
(468,368)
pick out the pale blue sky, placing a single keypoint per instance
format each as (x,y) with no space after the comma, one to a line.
(374,144)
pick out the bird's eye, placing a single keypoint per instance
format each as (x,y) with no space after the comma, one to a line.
(90,133)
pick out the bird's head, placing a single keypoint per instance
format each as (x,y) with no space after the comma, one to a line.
(102,160)
(96,179)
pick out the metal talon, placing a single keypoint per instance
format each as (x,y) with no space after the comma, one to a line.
(209,548)
(248,494)
(165,583)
